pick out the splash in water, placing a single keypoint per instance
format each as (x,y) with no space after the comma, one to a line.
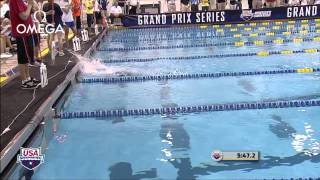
(306,143)
(61,138)
(94,66)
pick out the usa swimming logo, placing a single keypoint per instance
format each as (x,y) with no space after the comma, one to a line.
(30,158)
(246,15)
(216,155)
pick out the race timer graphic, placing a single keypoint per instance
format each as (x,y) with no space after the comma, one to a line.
(218,155)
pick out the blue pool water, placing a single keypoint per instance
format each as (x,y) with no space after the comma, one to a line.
(228,64)
(179,146)
(203,50)
(93,146)
(153,94)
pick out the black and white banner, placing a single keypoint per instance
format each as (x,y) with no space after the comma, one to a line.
(227,16)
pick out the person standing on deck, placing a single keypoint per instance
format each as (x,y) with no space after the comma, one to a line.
(89,5)
(205,5)
(115,12)
(97,14)
(221,4)
(194,5)
(134,4)
(36,36)
(213,4)
(68,20)
(76,12)
(54,17)
(20,15)
(103,9)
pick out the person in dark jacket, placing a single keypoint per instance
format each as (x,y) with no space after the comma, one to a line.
(54,18)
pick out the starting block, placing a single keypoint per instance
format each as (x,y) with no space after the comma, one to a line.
(76,44)
(85,35)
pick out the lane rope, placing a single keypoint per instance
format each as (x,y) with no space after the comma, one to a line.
(239,43)
(214,35)
(190,109)
(122,79)
(260,53)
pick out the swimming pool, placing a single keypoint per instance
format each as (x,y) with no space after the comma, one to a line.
(193,71)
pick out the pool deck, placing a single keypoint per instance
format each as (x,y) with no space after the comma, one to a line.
(14,99)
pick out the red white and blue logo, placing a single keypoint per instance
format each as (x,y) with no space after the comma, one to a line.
(216,155)
(30,158)
(246,15)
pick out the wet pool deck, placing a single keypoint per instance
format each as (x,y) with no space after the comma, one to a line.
(14,99)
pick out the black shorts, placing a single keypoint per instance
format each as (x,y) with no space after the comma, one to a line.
(194,7)
(97,15)
(36,39)
(89,20)
(133,10)
(121,4)
(25,49)
(78,22)
(205,8)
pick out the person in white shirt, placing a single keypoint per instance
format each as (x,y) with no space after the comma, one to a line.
(133,6)
(4,38)
(294,2)
(3,9)
(115,12)
(67,19)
